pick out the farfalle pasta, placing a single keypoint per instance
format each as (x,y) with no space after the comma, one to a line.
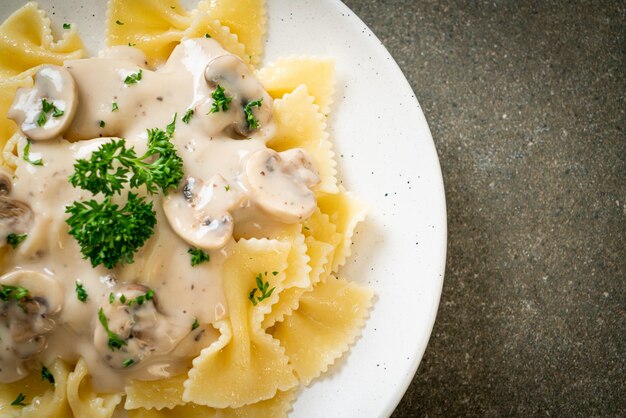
(180,221)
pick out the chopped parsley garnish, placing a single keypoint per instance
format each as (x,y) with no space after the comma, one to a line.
(19,401)
(46,108)
(15,239)
(115,342)
(128,362)
(81,293)
(119,23)
(263,288)
(139,300)
(98,174)
(114,107)
(27,155)
(107,233)
(227,187)
(66,26)
(133,78)
(111,298)
(198,256)
(102,124)
(195,324)
(206,35)
(46,375)
(251,120)
(8,292)
(131,44)
(220,100)
(187,116)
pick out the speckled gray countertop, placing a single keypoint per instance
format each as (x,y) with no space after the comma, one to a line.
(526,103)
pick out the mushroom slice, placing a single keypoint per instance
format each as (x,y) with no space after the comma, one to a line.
(280,183)
(28,301)
(6,184)
(45,110)
(199,212)
(131,319)
(16,217)
(231,73)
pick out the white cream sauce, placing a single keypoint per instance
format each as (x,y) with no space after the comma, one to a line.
(215,149)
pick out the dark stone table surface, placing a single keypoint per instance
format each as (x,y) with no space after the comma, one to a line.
(526,103)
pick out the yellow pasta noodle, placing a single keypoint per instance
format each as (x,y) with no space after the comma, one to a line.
(202,24)
(154,26)
(245,18)
(165,393)
(7,92)
(345,211)
(248,365)
(43,398)
(276,407)
(26,41)
(299,124)
(326,323)
(286,74)
(83,400)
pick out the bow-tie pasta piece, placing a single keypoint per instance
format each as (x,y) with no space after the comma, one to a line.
(245,365)
(83,400)
(246,18)
(300,124)
(286,74)
(7,92)
(47,397)
(26,41)
(154,26)
(327,321)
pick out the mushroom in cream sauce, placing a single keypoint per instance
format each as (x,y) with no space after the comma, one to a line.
(45,110)
(280,183)
(28,303)
(16,217)
(199,212)
(132,328)
(234,76)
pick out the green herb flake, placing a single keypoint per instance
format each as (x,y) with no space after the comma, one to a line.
(206,35)
(140,300)
(227,187)
(19,401)
(27,155)
(8,292)
(111,298)
(67,26)
(195,324)
(198,256)
(115,342)
(251,120)
(102,124)
(114,107)
(133,78)
(128,362)
(15,239)
(123,298)
(187,116)
(46,375)
(119,23)
(131,44)
(46,108)
(81,293)
(221,101)
(263,287)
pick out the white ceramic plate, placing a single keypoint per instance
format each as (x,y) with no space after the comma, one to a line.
(386,155)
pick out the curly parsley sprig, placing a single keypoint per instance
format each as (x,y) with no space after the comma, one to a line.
(106,171)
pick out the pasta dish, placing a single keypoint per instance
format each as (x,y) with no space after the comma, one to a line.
(172,228)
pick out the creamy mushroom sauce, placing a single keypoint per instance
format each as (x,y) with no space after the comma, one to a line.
(232,182)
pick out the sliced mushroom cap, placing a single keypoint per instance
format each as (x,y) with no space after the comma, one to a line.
(25,316)
(16,217)
(45,110)
(235,77)
(6,183)
(280,183)
(143,330)
(199,212)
